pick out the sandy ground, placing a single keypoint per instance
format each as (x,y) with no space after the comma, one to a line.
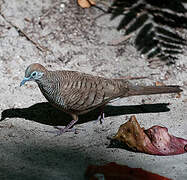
(63,36)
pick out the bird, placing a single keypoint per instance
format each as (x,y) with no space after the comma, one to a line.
(78,93)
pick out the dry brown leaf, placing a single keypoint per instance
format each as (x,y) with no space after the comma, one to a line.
(157,83)
(86,3)
(155,140)
(178,95)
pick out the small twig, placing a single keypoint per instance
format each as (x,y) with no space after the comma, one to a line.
(132,78)
(38,46)
(99,16)
(48,11)
(138,77)
(119,41)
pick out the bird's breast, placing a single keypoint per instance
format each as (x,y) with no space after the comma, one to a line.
(52,94)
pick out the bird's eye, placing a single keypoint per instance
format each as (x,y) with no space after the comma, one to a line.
(34,74)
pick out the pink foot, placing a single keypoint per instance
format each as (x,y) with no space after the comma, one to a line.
(62,130)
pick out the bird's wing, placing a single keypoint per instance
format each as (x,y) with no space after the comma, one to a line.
(81,92)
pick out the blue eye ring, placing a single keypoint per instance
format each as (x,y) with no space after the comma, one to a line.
(34,74)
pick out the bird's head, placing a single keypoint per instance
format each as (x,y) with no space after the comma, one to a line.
(33,73)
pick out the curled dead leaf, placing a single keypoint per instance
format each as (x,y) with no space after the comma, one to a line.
(178,95)
(86,3)
(157,83)
(155,140)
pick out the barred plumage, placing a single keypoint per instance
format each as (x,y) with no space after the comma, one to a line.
(78,93)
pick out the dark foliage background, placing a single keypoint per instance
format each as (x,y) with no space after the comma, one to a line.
(157,24)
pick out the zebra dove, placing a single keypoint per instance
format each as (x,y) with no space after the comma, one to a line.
(78,93)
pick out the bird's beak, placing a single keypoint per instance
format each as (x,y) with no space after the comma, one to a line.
(24,80)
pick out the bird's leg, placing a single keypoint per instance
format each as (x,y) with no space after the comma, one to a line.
(101,116)
(68,128)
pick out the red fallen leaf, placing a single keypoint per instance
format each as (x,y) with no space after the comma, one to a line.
(155,140)
(113,171)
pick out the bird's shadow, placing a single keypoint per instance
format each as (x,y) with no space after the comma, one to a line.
(46,114)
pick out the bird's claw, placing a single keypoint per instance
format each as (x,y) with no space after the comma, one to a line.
(61,130)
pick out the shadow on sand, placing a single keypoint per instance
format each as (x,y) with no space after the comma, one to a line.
(46,114)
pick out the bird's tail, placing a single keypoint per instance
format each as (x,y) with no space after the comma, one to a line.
(147,90)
